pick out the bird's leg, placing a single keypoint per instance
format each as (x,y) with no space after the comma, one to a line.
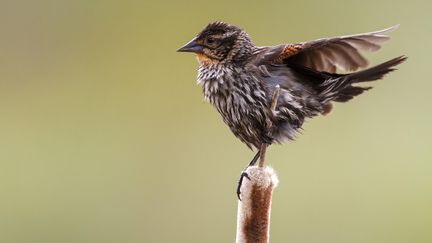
(254,159)
(269,124)
(262,150)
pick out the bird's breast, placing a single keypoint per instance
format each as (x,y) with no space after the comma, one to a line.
(234,92)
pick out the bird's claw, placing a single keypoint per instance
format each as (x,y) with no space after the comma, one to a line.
(240,182)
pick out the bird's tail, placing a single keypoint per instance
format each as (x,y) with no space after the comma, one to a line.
(340,87)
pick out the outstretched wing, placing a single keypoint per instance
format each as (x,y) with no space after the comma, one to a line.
(328,54)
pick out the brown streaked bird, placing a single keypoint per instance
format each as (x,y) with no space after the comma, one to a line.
(239,79)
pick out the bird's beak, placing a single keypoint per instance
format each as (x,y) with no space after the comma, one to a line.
(191,46)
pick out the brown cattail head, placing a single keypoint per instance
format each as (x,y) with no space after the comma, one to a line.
(253,215)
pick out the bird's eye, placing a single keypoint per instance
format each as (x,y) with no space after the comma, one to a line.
(210,40)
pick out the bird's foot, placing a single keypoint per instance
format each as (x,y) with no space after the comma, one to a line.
(244,174)
(240,182)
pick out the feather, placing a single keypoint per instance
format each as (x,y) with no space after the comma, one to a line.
(328,53)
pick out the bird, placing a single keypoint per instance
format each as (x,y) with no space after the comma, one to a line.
(264,94)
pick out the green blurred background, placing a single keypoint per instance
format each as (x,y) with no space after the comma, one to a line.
(105,136)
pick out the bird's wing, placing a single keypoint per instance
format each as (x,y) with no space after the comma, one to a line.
(327,54)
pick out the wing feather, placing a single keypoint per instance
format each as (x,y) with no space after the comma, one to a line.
(328,53)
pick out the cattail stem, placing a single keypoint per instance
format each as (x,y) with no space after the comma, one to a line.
(253,213)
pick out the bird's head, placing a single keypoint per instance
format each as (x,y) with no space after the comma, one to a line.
(219,42)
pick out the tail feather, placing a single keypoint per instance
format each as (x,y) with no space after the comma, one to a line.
(350,92)
(340,88)
(376,72)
